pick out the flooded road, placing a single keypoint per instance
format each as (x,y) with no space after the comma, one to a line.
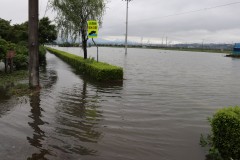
(157,113)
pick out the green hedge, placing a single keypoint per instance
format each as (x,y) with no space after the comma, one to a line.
(97,70)
(224,140)
(226,132)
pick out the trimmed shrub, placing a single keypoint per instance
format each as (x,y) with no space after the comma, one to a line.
(226,132)
(97,70)
(224,140)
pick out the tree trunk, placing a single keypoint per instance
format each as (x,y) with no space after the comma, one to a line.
(84,43)
(33,44)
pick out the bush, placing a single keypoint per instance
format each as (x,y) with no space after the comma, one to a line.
(21,58)
(11,46)
(21,49)
(42,54)
(226,132)
(97,70)
(3,48)
(225,136)
(20,61)
(23,43)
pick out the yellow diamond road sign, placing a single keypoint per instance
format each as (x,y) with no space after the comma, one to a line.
(92,29)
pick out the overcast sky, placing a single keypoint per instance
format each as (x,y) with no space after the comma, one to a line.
(149,20)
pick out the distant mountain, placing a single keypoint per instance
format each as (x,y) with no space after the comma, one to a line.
(113,42)
(102,41)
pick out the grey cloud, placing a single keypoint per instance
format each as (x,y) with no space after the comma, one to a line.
(146,18)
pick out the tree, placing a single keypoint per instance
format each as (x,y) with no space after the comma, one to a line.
(47,31)
(15,33)
(3,49)
(5,29)
(19,33)
(72,17)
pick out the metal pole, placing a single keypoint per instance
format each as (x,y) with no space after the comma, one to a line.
(126,36)
(97,48)
(166,41)
(33,44)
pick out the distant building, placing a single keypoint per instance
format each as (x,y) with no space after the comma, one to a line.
(236,49)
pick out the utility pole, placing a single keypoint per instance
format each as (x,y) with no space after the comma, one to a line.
(202,43)
(126,35)
(166,41)
(33,44)
(162,40)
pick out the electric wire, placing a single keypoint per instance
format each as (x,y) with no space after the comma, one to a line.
(193,11)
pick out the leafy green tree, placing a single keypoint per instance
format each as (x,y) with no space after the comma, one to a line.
(47,31)
(15,33)
(72,17)
(5,29)
(3,48)
(19,33)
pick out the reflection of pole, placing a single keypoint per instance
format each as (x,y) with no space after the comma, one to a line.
(97,48)
(38,134)
(126,36)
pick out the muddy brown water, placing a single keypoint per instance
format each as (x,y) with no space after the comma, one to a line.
(157,113)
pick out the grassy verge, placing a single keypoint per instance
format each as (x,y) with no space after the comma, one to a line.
(97,70)
(15,83)
(7,78)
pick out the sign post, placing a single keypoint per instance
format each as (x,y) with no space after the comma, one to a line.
(93,32)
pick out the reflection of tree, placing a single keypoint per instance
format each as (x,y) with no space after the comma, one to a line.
(6,105)
(77,118)
(38,135)
(3,94)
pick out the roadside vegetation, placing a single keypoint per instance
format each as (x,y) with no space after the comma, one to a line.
(223,143)
(14,76)
(96,70)
(14,84)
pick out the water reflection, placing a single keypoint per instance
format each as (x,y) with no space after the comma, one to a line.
(39,135)
(77,118)
(3,96)
(4,93)
(48,78)
(5,104)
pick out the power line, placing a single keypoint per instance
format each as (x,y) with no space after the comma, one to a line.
(192,11)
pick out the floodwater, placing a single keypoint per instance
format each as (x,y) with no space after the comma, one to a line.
(157,113)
